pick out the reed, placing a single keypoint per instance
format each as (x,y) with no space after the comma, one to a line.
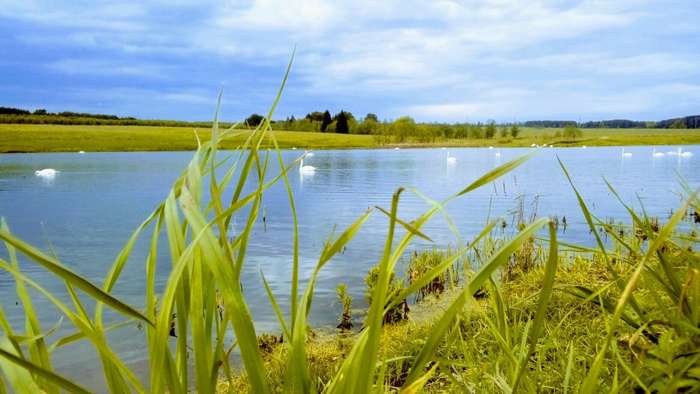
(203,302)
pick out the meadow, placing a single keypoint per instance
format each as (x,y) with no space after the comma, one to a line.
(70,138)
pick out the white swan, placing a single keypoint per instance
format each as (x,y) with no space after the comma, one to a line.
(672,152)
(626,154)
(308,154)
(532,145)
(498,153)
(490,147)
(684,154)
(82,152)
(654,153)
(397,148)
(46,173)
(584,147)
(451,159)
(306,170)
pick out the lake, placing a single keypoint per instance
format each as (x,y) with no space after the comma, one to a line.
(90,208)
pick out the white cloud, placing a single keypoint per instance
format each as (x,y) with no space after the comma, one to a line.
(98,67)
(438,58)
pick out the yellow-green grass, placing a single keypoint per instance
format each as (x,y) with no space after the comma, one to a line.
(569,324)
(63,138)
(67,138)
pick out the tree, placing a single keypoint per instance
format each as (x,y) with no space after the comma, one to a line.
(325,121)
(678,124)
(402,128)
(315,116)
(490,130)
(40,111)
(514,131)
(367,126)
(254,120)
(372,117)
(571,131)
(504,132)
(341,123)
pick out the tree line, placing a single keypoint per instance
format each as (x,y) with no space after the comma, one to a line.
(344,122)
(41,116)
(687,122)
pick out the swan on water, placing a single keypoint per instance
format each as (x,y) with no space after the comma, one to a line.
(684,154)
(46,173)
(451,159)
(625,154)
(654,153)
(306,170)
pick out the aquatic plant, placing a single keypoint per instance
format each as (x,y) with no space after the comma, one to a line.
(422,262)
(346,302)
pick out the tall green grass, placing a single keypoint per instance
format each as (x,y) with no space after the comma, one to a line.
(203,300)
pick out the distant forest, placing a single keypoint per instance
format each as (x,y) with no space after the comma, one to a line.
(342,122)
(688,122)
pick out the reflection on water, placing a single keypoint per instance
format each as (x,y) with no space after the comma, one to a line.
(87,211)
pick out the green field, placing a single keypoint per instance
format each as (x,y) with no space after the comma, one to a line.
(62,138)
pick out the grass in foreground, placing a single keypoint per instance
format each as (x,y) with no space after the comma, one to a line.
(61,138)
(647,291)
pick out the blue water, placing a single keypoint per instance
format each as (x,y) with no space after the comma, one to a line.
(86,213)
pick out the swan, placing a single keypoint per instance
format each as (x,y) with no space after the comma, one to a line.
(451,159)
(654,153)
(46,173)
(82,152)
(672,152)
(626,154)
(584,147)
(306,170)
(308,154)
(490,147)
(498,153)
(684,154)
(397,148)
(532,145)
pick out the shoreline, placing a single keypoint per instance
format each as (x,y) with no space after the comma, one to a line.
(380,147)
(21,138)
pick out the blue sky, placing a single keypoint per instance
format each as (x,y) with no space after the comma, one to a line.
(469,60)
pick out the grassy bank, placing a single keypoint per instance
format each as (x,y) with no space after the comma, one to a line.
(61,138)
(476,352)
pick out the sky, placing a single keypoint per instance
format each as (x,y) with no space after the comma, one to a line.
(441,61)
